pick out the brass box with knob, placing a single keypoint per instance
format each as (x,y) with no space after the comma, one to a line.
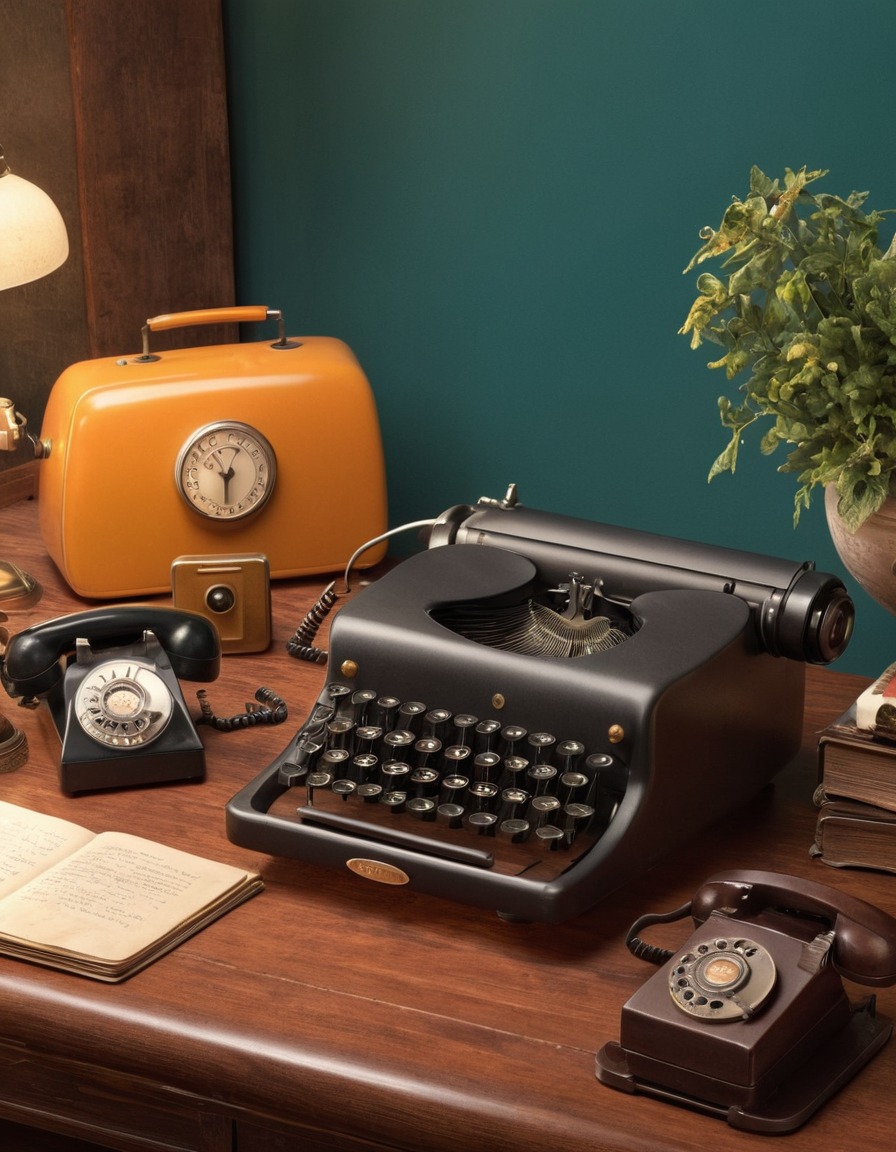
(268,447)
(232,591)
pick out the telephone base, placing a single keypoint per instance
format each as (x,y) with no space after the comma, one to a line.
(131,771)
(832,1066)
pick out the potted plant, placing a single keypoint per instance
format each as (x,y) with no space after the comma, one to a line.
(806,313)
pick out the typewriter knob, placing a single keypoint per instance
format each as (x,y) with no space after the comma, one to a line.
(812,620)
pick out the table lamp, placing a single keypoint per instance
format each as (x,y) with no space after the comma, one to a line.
(33,242)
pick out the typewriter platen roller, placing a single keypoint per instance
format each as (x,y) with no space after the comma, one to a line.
(526,723)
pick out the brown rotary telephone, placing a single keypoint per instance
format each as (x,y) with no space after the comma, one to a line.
(749,1020)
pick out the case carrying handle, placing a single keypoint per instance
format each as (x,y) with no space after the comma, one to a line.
(238,314)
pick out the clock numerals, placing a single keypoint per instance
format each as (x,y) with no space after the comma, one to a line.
(226,471)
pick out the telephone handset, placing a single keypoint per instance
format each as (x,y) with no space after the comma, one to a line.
(864,944)
(110,678)
(749,1019)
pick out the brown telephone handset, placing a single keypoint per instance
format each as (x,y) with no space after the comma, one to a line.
(749,1019)
(110,679)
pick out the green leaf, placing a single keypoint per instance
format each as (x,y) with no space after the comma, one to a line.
(727,460)
(804,307)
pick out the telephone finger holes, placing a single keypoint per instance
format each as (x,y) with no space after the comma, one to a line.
(723,979)
(123,705)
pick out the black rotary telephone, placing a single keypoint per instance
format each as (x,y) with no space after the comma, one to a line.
(749,1019)
(110,679)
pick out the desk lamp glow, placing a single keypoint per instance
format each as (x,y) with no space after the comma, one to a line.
(33,243)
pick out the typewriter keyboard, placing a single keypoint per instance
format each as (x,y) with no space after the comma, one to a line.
(478,791)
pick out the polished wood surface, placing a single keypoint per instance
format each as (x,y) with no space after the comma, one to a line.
(333,1013)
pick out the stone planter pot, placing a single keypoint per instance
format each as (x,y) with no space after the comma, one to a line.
(869,554)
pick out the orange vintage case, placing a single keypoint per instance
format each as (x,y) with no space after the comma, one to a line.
(114,439)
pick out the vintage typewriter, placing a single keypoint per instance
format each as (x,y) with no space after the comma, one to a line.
(536,708)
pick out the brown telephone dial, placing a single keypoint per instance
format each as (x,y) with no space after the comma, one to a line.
(749,1019)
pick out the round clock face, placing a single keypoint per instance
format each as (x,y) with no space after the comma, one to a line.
(226,471)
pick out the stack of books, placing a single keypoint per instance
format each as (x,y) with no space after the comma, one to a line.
(856,794)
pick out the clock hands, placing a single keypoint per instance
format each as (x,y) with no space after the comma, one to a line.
(228,473)
(227,477)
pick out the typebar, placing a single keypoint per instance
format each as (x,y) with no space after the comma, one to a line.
(480,792)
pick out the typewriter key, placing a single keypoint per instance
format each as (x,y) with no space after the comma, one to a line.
(363,767)
(542,809)
(384,711)
(578,817)
(424,782)
(450,814)
(542,745)
(367,738)
(399,742)
(338,695)
(487,734)
(464,729)
(426,750)
(514,774)
(511,738)
(423,807)
(551,837)
(486,766)
(339,732)
(455,755)
(598,762)
(333,759)
(515,830)
(454,789)
(540,778)
(370,793)
(483,796)
(513,801)
(317,781)
(568,753)
(483,823)
(436,723)
(574,786)
(410,716)
(394,775)
(395,801)
(344,788)
(361,701)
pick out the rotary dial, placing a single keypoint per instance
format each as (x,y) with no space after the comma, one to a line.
(123,704)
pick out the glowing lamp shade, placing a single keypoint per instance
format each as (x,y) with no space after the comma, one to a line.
(33,239)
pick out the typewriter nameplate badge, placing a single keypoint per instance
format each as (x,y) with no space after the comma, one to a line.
(377,870)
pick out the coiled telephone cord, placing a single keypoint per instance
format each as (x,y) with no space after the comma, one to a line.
(651,952)
(272,711)
(301,643)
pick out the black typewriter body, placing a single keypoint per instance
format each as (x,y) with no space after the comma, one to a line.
(452,753)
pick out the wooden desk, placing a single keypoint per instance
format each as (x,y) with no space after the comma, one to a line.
(332,1013)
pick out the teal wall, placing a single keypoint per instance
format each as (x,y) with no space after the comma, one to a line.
(492,202)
